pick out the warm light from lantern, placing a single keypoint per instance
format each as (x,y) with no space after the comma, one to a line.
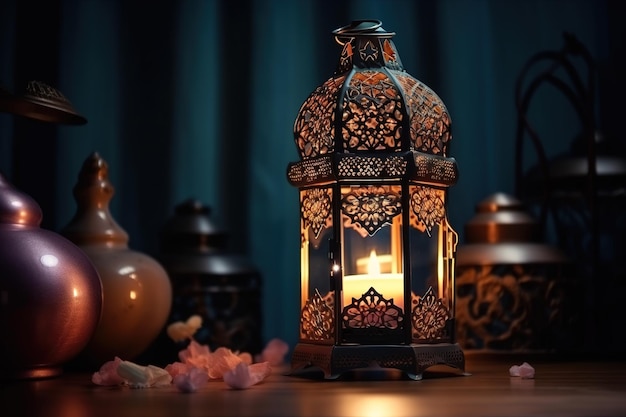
(440,260)
(373,265)
(389,285)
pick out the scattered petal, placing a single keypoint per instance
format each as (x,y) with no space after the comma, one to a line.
(224,360)
(274,352)
(159,377)
(197,355)
(177,368)
(525,371)
(191,381)
(107,375)
(245,358)
(137,376)
(180,331)
(260,370)
(244,376)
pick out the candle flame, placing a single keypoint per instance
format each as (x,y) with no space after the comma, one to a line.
(373,266)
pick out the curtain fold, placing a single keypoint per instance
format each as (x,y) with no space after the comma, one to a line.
(197,99)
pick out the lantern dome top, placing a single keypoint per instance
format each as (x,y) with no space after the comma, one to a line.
(371,103)
(372,108)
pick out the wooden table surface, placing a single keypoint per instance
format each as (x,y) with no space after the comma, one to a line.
(560,388)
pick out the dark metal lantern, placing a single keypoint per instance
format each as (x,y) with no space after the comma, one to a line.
(208,280)
(377,251)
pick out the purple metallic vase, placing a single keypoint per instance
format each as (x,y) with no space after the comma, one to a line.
(50,292)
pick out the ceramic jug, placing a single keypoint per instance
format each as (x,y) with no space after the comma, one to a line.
(136,289)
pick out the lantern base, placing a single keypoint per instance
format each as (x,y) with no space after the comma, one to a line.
(413,359)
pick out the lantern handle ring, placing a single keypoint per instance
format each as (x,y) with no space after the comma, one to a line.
(371,27)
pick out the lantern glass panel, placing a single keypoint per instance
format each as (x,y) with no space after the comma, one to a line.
(372,244)
(316,231)
(424,250)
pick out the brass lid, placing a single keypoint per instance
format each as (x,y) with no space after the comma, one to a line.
(41,102)
(502,232)
(501,218)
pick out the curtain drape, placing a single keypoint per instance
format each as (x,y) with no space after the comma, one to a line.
(197,98)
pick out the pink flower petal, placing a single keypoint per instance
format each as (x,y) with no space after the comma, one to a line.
(260,371)
(191,381)
(244,376)
(196,355)
(245,357)
(224,360)
(180,331)
(274,352)
(177,368)
(525,371)
(107,375)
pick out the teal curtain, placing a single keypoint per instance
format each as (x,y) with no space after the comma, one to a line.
(197,98)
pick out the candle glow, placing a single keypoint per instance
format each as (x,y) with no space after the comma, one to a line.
(389,285)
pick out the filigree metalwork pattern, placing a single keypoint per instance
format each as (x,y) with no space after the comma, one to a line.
(517,307)
(317,318)
(371,167)
(430,124)
(390,55)
(435,169)
(368,50)
(345,59)
(368,209)
(430,317)
(372,310)
(427,207)
(310,171)
(316,209)
(314,129)
(372,113)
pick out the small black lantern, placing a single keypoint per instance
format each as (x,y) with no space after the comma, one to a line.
(208,280)
(377,251)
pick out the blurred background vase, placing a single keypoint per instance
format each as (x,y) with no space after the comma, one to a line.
(137,293)
(515,293)
(50,292)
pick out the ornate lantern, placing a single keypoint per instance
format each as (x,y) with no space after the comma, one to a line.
(377,251)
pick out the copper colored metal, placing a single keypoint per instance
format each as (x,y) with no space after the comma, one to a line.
(502,232)
(514,292)
(41,102)
(50,293)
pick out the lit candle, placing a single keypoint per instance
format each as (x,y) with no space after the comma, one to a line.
(389,285)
